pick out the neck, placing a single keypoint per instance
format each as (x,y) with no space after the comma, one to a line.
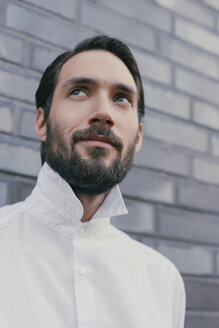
(90,203)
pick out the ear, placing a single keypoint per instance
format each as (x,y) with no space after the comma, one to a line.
(139,138)
(40,125)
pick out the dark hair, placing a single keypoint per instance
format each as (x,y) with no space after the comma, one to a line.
(49,80)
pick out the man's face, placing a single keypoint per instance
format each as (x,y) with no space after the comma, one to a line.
(93,129)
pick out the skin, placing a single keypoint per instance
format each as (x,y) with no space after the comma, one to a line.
(94,87)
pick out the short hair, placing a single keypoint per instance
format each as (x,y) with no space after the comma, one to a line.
(49,80)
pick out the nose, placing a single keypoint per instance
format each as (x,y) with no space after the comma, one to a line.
(102,114)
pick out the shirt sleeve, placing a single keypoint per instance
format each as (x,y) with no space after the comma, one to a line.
(179,301)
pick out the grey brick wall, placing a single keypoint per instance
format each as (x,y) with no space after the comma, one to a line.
(173,190)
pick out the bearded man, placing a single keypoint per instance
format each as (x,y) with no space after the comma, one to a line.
(62,264)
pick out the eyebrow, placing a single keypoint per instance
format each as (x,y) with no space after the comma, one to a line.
(75,80)
(86,80)
(125,88)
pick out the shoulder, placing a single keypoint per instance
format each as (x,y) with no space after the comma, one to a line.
(146,254)
(10,212)
(157,267)
(155,273)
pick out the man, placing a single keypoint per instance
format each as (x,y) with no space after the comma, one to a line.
(62,263)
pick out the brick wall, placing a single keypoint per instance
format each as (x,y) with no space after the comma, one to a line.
(173,190)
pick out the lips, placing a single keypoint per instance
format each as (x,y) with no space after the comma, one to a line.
(98,141)
(98,137)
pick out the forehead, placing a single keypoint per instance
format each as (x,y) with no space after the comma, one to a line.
(100,65)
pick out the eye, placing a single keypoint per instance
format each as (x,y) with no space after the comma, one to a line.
(123,99)
(78,92)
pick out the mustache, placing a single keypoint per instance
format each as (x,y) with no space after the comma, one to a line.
(89,133)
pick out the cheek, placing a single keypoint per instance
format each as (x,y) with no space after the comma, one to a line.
(66,110)
(129,127)
(67,118)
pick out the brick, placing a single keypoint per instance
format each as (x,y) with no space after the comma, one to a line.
(188,225)
(150,242)
(143,11)
(190,10)
(42,26)
(197,85)
(202,320)
(140,218)
(167,101)
(197,36)
(67,8)
(215,145)
(199,196)
(11,48)
(19,159)
(176,132)
(206,115)
(189,57)
(188,259)
(102,20)
(20,190)
(17,86)
(206,170)
(218,25)
(6,120)
(148,186)
(3,5)
(27,126)
(42,57)
(160,157)
(3,193)
(153,68)
(217,261)
(202,295)
(212,3)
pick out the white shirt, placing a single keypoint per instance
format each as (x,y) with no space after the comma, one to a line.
(57,272)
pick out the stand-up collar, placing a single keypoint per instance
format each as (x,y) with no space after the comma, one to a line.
(54,202)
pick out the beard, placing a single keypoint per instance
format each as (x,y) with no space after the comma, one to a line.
(87,176)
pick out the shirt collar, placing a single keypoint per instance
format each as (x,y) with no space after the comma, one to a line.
(54,201)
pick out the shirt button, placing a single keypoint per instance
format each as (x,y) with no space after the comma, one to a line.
(83,271)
